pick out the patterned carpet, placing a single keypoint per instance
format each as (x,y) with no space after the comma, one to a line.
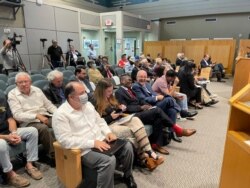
(194,163)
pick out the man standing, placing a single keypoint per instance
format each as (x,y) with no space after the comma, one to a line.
(81,76)
(7,57)
(92,53)
(55,53)
(11,136)
(55,90)
(77,125)
(31,108)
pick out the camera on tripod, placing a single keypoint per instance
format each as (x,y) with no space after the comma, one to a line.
(69,40)
(15,40)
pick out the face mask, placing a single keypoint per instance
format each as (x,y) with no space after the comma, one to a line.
(93,65)
(83,98)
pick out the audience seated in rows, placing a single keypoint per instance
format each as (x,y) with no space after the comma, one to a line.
(31,108)
(144,91)
(10,136)
(132,129)
(166,85)
(148,115)
(129,65)
(77,125)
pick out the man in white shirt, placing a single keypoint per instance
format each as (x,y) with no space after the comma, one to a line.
(31,108)
(92,53)
(77,125)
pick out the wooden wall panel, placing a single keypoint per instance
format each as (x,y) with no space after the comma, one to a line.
(219,54)
(194,52)
(170,52)
(221,50)
(243,47)
(153,48)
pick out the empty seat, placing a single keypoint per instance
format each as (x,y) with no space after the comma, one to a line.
(40,83)
(12,74)
(31,72)
(36,77)
(119,71)
(72,78)
(45,71)
(11,81)
(4,77)
(67,74)
(60,69)
(3,85)
(71,68)
(8,89)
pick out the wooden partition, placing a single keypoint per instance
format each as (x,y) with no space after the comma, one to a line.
(243,47)
(241,75)
(221,51)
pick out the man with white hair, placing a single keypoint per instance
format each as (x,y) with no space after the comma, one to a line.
(31,108)
(55,90)
(180,59)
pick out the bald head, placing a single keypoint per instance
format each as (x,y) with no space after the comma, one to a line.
(141,77)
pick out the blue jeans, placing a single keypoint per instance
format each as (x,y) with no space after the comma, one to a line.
(28,135)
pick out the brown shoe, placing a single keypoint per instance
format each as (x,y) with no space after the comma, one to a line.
(34,173)
(18,181)
(159,160)
(160,149)
(188,132)
(150,163)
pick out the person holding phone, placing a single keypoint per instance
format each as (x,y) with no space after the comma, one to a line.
(133,129)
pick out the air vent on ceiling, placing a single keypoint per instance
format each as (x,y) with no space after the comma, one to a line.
(171,22)
(211,19)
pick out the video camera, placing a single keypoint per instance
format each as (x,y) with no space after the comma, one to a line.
(15,40)
(69,40)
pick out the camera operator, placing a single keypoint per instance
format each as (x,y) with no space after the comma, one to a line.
(55,53)
(6,53)
(72,56)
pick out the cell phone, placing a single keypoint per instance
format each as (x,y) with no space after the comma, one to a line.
(117,111)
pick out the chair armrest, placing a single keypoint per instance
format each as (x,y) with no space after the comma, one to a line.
(68,165)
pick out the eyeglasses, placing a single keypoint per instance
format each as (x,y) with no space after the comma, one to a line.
(23,82)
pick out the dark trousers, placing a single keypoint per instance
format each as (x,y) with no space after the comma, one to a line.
(159,120)
(170,107)
(56,64)
(105,165)
(45,137)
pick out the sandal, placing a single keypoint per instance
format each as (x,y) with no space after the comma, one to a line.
(157,159)
(150,163)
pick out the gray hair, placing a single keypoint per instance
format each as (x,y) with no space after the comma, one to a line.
(53,74)
(22,74)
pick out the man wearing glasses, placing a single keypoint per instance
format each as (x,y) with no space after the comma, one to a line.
(31,108)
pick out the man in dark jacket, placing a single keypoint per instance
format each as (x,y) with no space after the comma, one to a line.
(148,114)
(55,90)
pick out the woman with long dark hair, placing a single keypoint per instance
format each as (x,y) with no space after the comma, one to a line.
(133,130)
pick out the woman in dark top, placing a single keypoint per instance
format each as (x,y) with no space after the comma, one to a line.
(133,129)
(187,84)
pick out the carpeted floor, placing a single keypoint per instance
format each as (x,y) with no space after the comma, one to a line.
(194,163)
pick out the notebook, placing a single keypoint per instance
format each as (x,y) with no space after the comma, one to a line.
(114,147)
